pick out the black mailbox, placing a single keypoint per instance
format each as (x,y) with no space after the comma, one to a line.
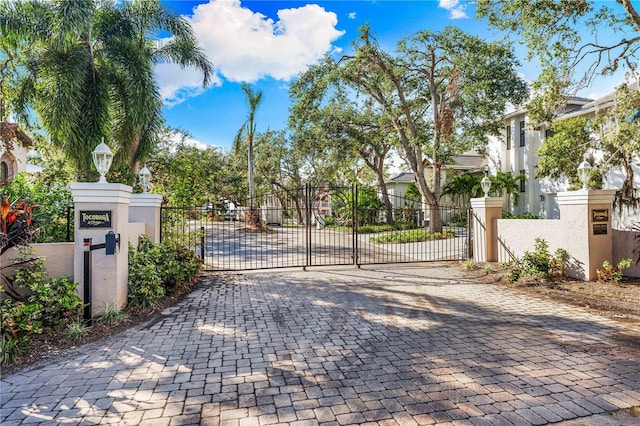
(112,243)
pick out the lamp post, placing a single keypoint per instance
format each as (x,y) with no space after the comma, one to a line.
(485,184)
(144,176)
(584,173)
(102,158)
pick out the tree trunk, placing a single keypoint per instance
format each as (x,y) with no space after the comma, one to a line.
(388,207)
(133,163)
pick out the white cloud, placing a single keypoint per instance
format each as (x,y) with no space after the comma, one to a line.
(352,15)
(178,84)
(178,138)
(456,10)
(245,46)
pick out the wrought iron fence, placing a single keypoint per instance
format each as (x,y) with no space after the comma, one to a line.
(318,226)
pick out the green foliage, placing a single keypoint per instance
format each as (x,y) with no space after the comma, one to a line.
(462,187)
(398,225)
(469,265)
(459,219)
(560,154)
(507,183)
(11,349)
(52,200)
(112,315)
(611,274)
(566,38)
(50,305)
(413,236)
(145,283)
(94,78)
(526,215)
(16,224)
(412,192)
(539,264)
(187,174)
(369,206)
(76,330)
(159,269)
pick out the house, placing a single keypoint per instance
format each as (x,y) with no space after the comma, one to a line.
(13,151)
(516,152)
(470,162)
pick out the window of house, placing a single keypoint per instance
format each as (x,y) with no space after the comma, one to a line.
(508,128)
(522,181)
(548,133)
(4,171)
(522,133)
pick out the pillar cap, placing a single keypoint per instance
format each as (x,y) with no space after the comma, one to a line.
(100,192)
(585,197)
(486,202)
(146,200)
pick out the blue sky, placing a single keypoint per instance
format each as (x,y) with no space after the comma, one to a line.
(267,43)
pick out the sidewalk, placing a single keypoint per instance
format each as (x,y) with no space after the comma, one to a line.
(400,345)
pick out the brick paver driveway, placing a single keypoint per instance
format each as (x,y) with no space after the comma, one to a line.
(401,345)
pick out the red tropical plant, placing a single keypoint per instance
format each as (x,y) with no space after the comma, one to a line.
(16,230)
(16,224)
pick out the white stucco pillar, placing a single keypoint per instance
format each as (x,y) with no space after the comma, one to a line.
(487,211)
(146,208)
(586,219)
(100,208)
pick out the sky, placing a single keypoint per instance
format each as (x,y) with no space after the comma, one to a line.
(267,43)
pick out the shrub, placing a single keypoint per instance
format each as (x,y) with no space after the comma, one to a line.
(610,273)
(400,225)
(11,349)
(413,236)
(145,284)
(52,199)
(158,269)
(111,314)
(539,264)
(48,305)
(76,330)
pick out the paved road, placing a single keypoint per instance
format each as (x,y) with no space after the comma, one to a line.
(229,246)
(377,346)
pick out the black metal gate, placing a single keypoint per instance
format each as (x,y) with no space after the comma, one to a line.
(318,226)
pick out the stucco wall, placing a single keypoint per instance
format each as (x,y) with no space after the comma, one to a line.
(135,230)
(59,257)
(624,242)
(519,236)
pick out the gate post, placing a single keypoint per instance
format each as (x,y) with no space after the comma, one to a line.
(100,208)
(308,213)
(354,225)
(485,234)
(145,208)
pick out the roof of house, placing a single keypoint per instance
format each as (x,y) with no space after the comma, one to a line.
(469,161)
(595,105)
(402,178)
(573,103)
(10,131)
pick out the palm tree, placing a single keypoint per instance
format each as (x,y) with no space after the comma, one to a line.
(247,131)
(143,115)
(506,183)
(461,188)
(88,71)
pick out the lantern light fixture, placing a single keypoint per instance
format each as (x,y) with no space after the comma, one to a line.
(144,177)
(584,173)
(102,158)
(485,183)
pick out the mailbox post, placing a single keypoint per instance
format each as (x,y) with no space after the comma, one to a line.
(101,215)
(112,246)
